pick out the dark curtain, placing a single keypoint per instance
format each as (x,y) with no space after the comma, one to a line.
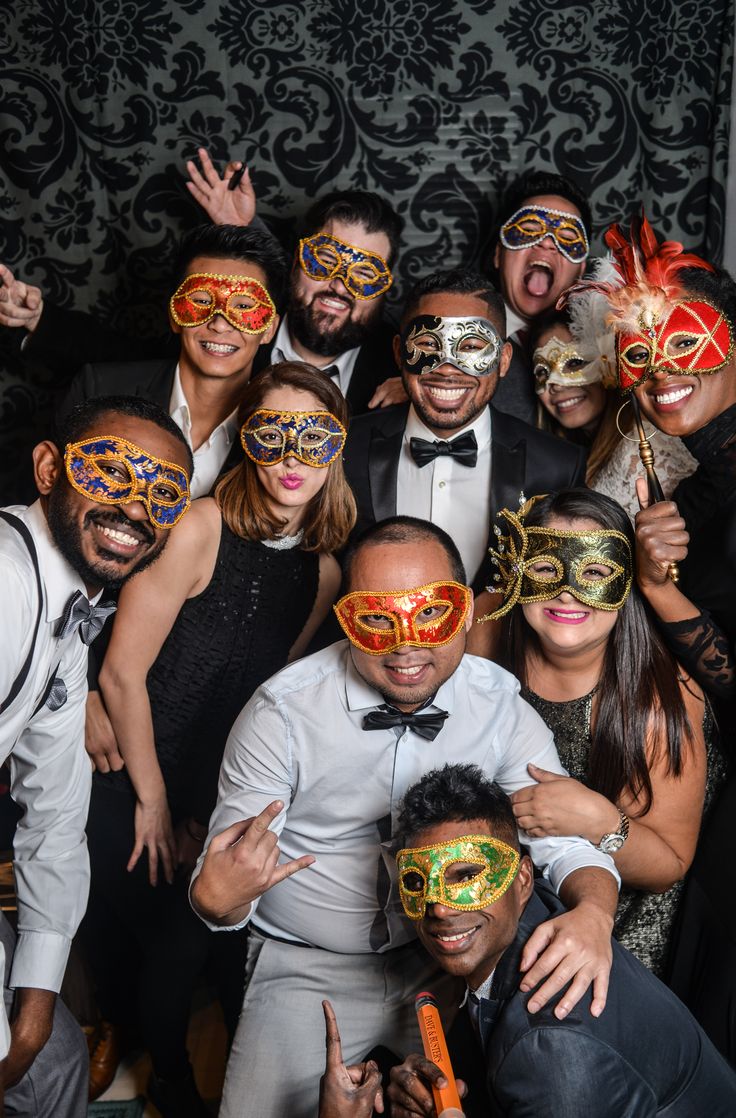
(435,103)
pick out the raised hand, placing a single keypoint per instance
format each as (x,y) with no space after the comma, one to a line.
(21,304)
(241,863)
(222,205)
(661,539)
(346,1092)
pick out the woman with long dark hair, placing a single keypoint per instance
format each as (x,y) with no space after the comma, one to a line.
(244,585)
(633,732)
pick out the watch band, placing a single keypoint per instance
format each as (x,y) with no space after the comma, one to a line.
(622,833)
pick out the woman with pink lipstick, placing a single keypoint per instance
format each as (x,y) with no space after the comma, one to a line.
(242,591)
(632,732)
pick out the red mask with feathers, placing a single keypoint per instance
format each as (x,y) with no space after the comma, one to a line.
(657,329)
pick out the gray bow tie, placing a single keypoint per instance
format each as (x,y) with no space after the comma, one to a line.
(79,613)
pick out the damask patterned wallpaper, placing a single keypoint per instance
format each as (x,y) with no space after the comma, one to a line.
(435,103)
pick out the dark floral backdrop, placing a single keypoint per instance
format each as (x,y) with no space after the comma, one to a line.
(435,103)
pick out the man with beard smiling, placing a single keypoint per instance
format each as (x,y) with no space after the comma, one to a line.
(448,456)
(541,246)
(349,240)
(109,491)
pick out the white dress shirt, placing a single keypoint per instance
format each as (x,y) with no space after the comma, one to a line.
(453,496)
(340,369)
(300,739)
(210,457)
(50,770)
(514,324)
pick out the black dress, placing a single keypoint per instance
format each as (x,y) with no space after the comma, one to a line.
(145,945)
(703,970)
(644,921)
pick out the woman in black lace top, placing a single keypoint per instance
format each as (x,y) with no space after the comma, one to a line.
(247,578)
(697,529)
(633,734)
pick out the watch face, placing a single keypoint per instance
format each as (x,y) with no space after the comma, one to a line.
(609,844)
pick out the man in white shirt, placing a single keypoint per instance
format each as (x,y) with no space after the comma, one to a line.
(314,769)
(55,558)
(203,388)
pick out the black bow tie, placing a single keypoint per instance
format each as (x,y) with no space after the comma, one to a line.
(79,613)
(426,725)
(464,448)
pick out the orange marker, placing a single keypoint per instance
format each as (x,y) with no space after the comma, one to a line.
(435,1049)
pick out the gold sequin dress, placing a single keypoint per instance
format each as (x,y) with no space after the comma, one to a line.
(643,921)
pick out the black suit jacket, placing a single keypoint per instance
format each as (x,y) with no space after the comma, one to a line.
(515,394)
(153,380)
(523,459)
(644,1056)
(373,365)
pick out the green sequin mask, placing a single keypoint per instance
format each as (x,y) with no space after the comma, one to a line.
(426,874)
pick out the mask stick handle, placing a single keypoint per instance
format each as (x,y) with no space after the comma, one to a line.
(647,460)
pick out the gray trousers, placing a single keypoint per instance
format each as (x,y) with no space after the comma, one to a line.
(57,1083)
(278,1053)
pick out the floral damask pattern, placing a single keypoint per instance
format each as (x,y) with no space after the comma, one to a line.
(435,103)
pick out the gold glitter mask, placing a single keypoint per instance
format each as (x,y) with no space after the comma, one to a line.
(563,364)
(467,873)
(537,564)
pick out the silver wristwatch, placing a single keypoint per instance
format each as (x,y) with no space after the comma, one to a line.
(613,841)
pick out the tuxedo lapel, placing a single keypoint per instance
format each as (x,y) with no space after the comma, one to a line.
(508,465)
(383,462)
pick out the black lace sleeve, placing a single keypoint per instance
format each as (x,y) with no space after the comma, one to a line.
(704,651)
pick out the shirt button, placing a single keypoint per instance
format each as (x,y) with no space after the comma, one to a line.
(442,484)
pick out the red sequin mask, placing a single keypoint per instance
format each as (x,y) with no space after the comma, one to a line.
(380,622)
(692,338)
(241,300)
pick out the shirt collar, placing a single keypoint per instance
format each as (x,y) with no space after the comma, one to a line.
(180,413)
(59,578)
(481,426)
(514,323)
(283,350)
(359,695)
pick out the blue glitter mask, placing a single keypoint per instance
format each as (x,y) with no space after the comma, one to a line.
(365,274)
(315,438)
(113,471)
(531,224)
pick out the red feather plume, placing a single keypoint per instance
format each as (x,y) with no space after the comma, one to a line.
(649,276)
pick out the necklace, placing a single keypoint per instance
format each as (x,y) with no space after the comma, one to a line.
(284,543)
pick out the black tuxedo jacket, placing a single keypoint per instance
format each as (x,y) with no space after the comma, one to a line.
(523,459)
(373,365)
(644,1056)
(153,380)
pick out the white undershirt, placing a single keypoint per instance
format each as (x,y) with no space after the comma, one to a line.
(209,458)
(341,368)
(450,495)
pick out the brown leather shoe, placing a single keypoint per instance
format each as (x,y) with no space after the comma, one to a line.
(104,1058)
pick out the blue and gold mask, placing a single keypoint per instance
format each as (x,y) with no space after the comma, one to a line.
(113,471)
(365,274)
(531,224)
(315,438)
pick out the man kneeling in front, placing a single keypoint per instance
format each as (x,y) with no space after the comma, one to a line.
(472,895)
